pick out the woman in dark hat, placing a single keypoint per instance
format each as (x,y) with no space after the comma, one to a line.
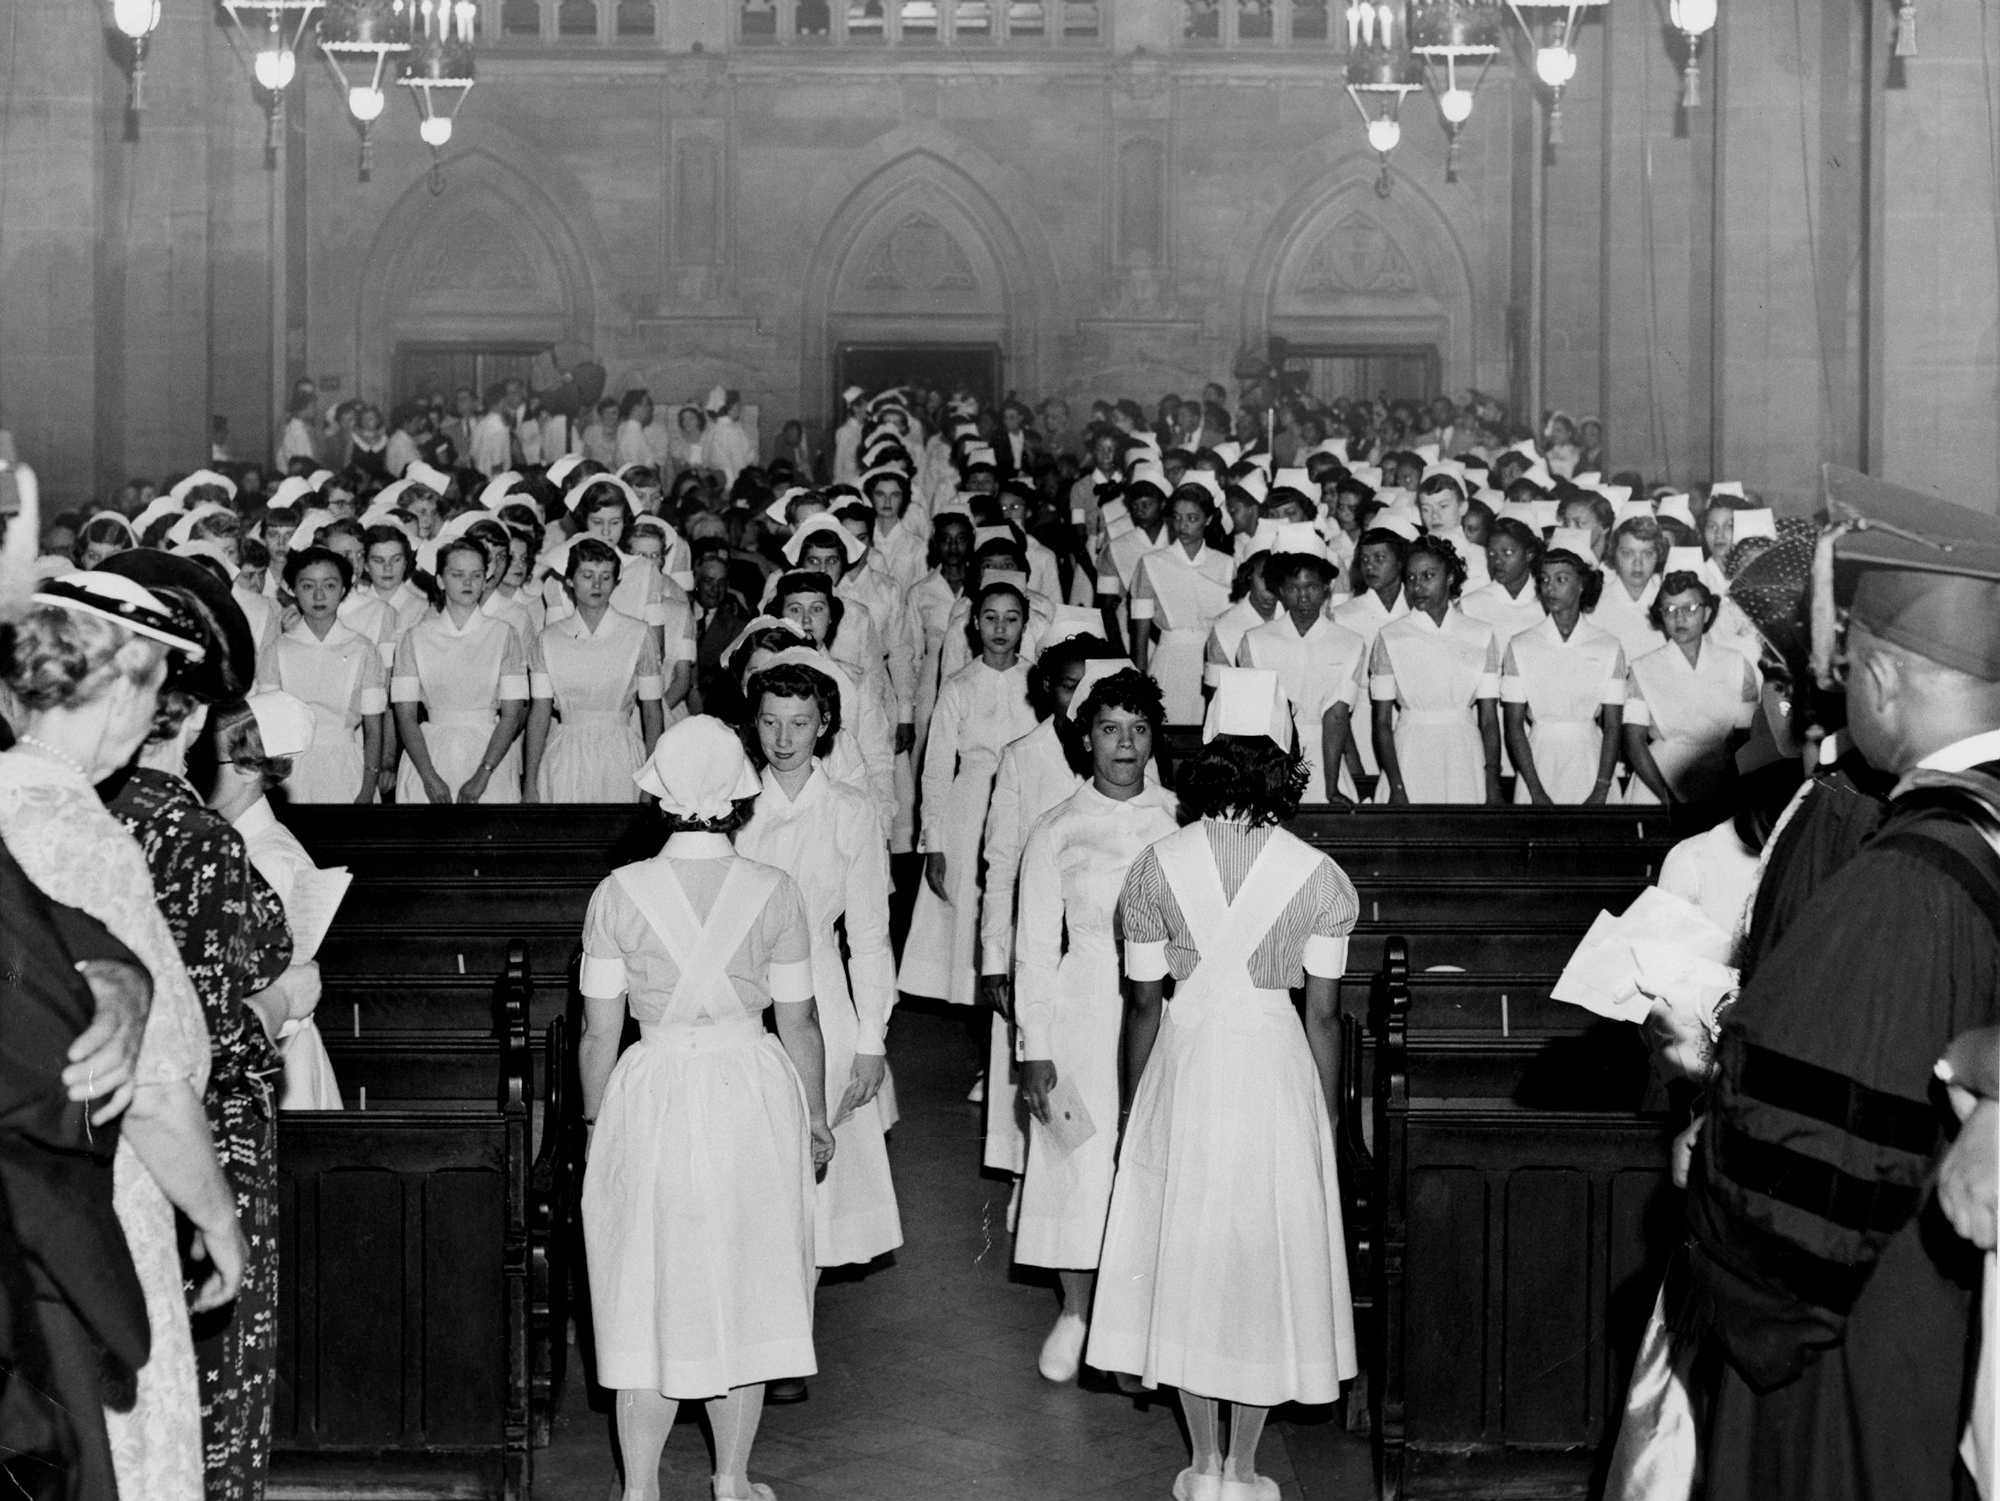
(230,928)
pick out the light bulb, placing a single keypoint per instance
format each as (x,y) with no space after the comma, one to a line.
(275,68)
(135,18)
(1383,134)
(436,131)
(1555,66)
(1695,17)
(1455,105)
(365,104)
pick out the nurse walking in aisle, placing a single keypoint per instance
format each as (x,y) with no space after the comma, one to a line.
(980,709)
(1224,1271)
(1069,1005)
(707,1132)
(825,835)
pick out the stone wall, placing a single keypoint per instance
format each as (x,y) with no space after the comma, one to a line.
(1801,269)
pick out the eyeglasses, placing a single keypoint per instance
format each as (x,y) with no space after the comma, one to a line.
(1682,612)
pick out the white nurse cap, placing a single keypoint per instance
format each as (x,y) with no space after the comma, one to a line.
(1248,702)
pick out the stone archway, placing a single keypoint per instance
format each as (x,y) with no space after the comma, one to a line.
(918,250)
(489,260)
(1343,266)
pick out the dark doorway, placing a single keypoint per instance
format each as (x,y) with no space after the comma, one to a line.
(424,368)
(943,367)
(1405,371)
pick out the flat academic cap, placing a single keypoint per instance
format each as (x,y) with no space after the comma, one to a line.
(1919,572)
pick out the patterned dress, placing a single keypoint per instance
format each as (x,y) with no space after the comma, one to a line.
(231,932)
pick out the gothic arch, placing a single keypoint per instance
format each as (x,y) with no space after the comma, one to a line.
(491,258)
(925,239)
(1341,264)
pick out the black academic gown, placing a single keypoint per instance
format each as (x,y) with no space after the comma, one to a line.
(72,1305)
(1837,1305)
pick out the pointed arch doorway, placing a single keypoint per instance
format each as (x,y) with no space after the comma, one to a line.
(875,366)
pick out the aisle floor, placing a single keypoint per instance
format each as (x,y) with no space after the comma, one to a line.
(927,1387)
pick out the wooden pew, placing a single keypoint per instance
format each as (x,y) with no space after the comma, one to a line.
(1519,1216)
(403,1297)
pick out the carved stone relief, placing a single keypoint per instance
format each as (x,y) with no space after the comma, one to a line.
(1355,257)
(918,255)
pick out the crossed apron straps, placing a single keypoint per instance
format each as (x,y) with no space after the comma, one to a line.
(701,950)
(1282,866)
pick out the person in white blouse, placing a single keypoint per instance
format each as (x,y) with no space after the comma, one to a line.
(727,447)
(1320,664)
(1509,600)
(931,604)
(1069,1004)
(467,673)
(635,412)
(338,674)
(1563,685)
(1251,604)
(1178,592)
(1631,584)
(980,710)
(1378,599)
(1441,502)
(592,667)
(1688,704)
(823,834)
(1434,679)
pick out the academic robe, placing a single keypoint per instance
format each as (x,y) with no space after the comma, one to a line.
(1839,1303)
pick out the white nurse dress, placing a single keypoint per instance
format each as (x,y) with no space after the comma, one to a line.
(1435,673)
(595,679)
(461,675)
(341,679)
(1565,685)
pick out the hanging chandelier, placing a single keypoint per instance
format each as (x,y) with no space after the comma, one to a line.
(1549,26)
(438,71)
(424,45)
(1693,19)
(1456,40)
(361,41)
(1381,74)
(135,20)
(273,30)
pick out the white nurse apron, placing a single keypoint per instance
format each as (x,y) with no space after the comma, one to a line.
(696,1217)
(1224,1270)
(1182,597)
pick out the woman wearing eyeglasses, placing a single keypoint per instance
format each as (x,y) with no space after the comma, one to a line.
(1689,703)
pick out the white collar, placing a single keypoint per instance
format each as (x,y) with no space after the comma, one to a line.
(696,844)
(256,819)
(781,797)
(1963,755)
(336,635)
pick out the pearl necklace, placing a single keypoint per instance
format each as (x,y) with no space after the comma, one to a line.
(54,754)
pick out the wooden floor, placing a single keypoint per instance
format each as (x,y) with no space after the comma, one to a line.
(927,1386)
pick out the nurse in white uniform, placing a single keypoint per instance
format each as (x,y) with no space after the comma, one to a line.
(1563,687)
(591,667)
(1686,704)
(980,710)
(707,1133)
(1224,1269)
(1177,593)
(1631,584)
(1035,775)
(1320,665)
(1378,599)
(469,673)
(824,835)
(1069,1004)
(337,673)
(1251,604)
(1509,600)
(1434,680)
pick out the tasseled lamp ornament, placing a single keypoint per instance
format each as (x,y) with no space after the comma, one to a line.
(1549,27)
(438,71)
(1906,29)
(1450,35)
(1381,74)
(273,30)
(364,35)
(1693,19)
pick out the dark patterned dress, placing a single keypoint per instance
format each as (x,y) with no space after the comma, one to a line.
(231,931)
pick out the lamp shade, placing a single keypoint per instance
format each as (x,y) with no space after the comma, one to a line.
(135,18)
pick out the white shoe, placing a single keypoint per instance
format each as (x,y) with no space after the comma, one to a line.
(1257,1488)
(1062,1351)
(1190,1485)
(977,1094)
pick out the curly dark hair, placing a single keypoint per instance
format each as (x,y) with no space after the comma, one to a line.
(1244,778)
(1130,690)
(790,680)
(1684,582)
(1447,556)
(1280,566)
(1592,576)
(1057,660)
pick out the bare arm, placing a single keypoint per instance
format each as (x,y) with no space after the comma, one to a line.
(1607,752)
(1323,1036)
(798,1031)
(1524,754)
(1489,739)
(541,714)
(1385,751)
(169,1131)
(1143,1003)
(371,756)
(1639,751)
(1333,730)
(513,714)
(597,1048)
(411,732)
